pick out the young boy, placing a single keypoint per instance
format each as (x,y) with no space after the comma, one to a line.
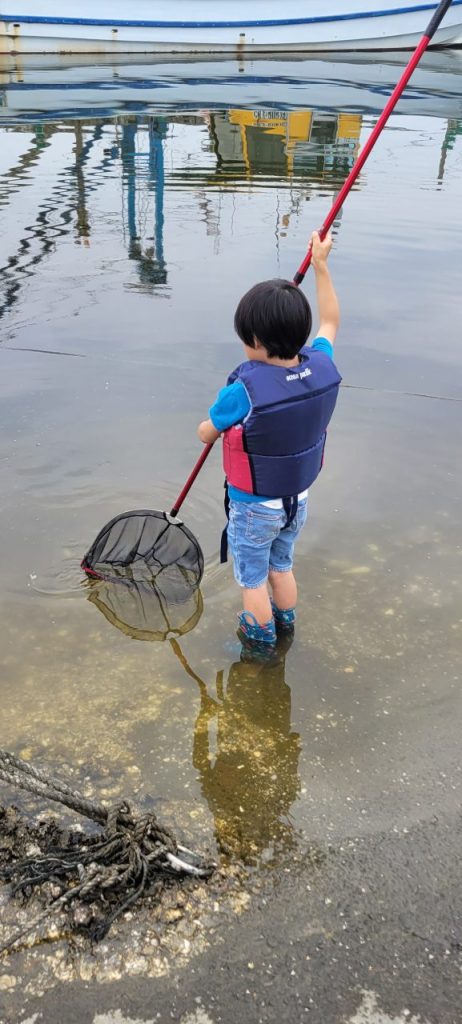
(273,415)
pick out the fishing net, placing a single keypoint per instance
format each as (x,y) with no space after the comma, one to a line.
(144,570)
(139,545)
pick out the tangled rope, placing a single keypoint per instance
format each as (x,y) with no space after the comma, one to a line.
(131,857)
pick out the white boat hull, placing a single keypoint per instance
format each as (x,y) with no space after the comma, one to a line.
(220,26)
(53,87)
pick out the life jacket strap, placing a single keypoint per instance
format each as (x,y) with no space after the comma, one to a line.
(290,509)
(224,536)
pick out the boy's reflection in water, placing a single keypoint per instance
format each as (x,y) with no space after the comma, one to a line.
(251,781)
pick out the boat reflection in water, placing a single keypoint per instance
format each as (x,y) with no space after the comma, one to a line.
(48,88)
(306,143)
(220,151)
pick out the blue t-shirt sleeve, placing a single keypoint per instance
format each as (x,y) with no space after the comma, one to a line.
(231,406)
(323,345)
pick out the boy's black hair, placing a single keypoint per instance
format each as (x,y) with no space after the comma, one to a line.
(278,314)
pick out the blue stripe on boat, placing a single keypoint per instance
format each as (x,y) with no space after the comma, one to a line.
(117,84)
(28,19)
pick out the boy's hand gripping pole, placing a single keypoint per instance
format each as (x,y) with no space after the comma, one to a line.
(435,22)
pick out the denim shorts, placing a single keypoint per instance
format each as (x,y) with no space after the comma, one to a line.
(259,540)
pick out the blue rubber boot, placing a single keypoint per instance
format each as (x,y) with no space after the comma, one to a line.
(284,619)
(251,632)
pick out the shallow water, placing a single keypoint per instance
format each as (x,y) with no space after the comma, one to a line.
(126,239)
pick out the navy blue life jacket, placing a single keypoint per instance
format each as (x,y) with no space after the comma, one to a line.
(278,450)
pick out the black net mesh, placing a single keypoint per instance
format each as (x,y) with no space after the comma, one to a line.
(140,545)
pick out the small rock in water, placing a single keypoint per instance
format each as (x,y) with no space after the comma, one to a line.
(7,982)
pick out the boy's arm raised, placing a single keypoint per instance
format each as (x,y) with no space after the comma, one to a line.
(329,311)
